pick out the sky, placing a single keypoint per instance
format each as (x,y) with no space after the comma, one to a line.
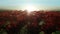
(20,4)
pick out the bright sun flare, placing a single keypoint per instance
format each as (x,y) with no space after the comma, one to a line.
(30,8)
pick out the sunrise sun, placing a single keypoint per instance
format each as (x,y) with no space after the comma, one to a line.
(30,7)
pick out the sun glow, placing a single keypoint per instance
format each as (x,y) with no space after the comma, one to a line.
(30,7)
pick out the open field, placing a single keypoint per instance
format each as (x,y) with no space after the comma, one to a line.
(35,22)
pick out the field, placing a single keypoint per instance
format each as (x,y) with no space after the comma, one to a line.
(22,22)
